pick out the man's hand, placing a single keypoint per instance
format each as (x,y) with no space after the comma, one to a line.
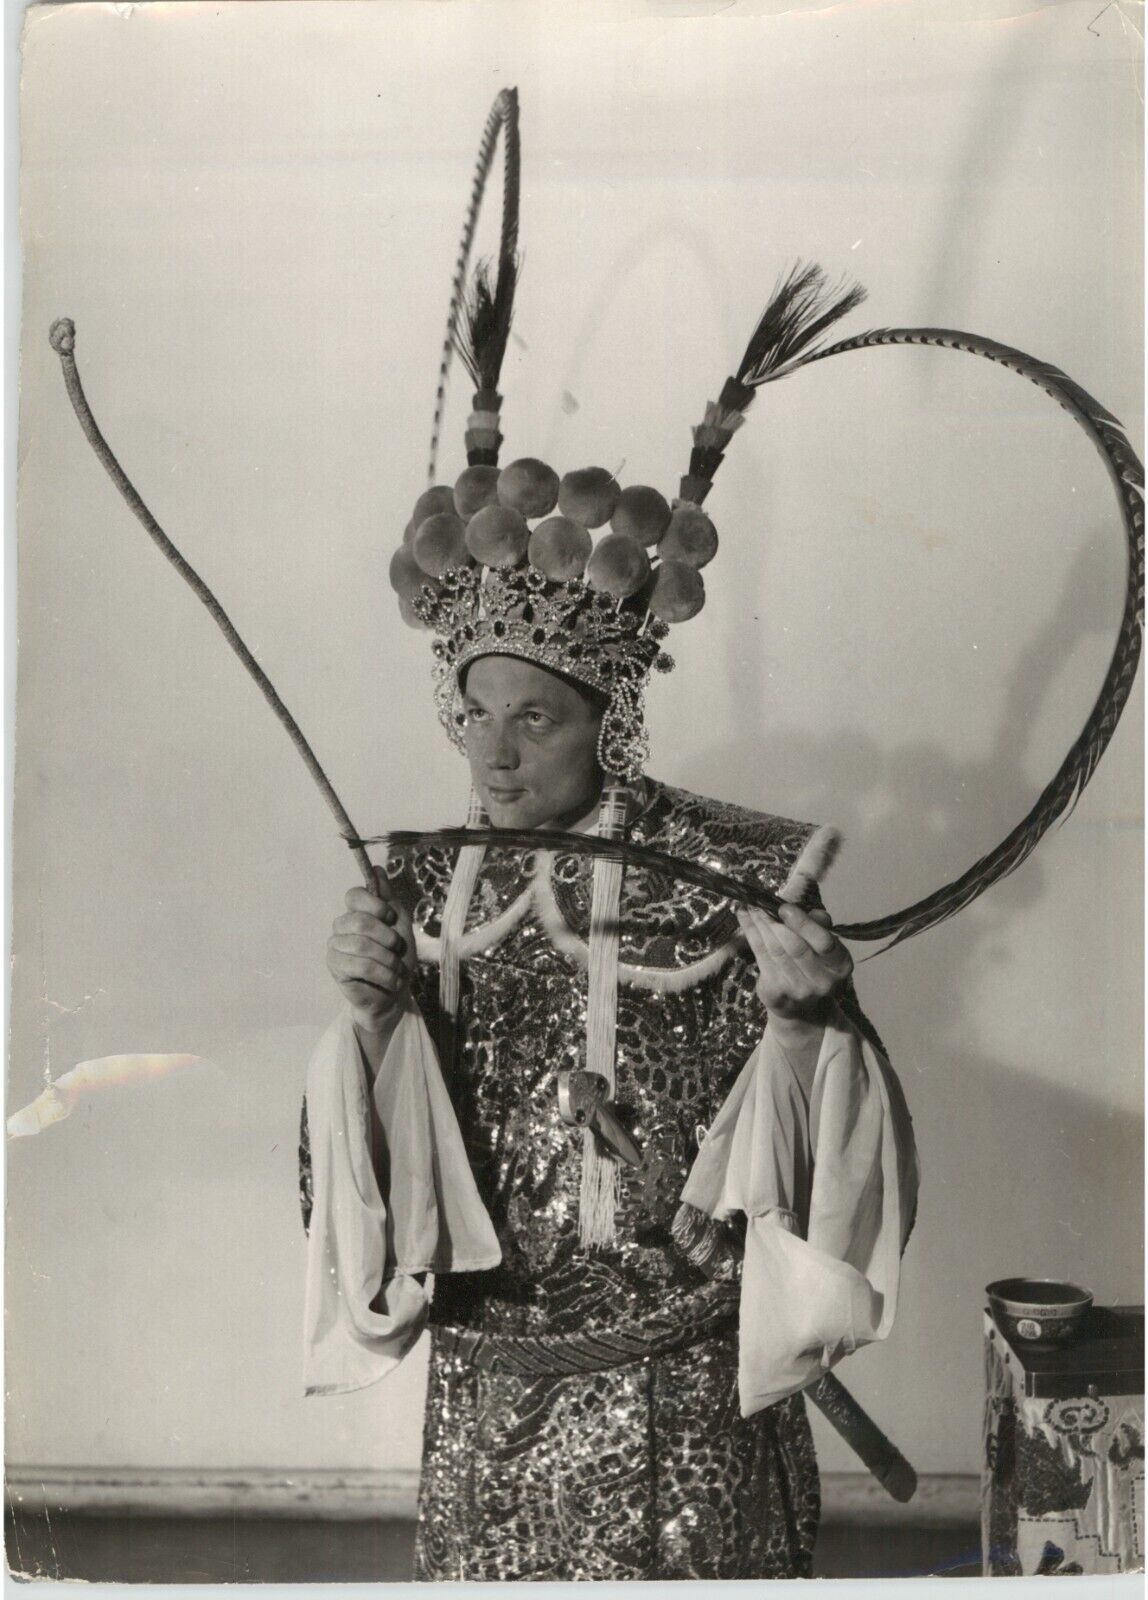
(371,956)
(801,963)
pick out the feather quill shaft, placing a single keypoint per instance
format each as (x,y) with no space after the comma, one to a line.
(1063,791)
(62,336)
(502,122)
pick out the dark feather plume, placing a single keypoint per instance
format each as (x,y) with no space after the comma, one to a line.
(482,326)
(801,308)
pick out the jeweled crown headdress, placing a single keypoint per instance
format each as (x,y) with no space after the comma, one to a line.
(505,562)
(563,624)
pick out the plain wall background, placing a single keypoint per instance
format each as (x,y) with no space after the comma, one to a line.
(252,212)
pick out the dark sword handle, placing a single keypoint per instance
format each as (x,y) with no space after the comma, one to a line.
(895,1475)
(607,1126)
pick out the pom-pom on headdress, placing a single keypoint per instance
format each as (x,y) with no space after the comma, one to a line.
(507,563)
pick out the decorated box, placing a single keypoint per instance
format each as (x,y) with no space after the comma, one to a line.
(1063,1475)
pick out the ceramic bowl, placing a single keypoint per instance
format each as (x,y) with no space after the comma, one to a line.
(1038,1311)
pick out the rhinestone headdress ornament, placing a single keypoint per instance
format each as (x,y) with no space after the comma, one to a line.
(562,624)
(505,561)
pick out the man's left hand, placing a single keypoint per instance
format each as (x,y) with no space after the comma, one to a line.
(801,962)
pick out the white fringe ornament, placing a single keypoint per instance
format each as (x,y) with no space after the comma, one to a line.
(818,854)
(476,941)
(599,1173)
(540,898)
(458,896)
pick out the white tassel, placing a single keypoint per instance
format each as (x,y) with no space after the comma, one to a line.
(599,1188)
(818,854)
(458,896)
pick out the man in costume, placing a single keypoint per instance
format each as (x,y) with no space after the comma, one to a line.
(626,1145)
(594,1408)
(633,1127)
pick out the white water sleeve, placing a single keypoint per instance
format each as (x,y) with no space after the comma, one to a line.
(828,1186)
(374,1226)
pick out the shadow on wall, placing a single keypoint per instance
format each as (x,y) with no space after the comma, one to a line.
(917,795)
(687,243)
(1022,1174)
(958,256)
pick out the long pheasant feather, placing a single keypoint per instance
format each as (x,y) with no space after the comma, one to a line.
(785,328)
(1064,789)
(502,121)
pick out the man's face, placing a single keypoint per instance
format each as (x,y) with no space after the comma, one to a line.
(532,744)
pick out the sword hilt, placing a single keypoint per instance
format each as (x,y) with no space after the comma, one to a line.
(580,1094)
(583,1102)
(890,1468)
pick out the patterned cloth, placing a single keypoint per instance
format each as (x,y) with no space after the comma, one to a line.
(1063,1483)
(522,1018)
(646,1470)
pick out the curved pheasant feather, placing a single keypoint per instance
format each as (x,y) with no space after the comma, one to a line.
(798,312)
(503,120)
(1065,788)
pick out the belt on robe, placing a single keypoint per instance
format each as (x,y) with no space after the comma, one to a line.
(562,1355)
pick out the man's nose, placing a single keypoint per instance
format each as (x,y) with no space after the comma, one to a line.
(502,751)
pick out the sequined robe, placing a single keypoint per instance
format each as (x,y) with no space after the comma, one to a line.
(644,1470)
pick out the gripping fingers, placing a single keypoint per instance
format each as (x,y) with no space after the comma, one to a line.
(350,946)
(816,948)
(751,925)
(777,957)
(790,961)
(368,904)
(768,951)
(381,915)
(808,929)
(773,938)
(789,940)
(357,925)
(386,975)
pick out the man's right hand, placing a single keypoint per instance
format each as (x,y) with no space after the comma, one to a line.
(371,956)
